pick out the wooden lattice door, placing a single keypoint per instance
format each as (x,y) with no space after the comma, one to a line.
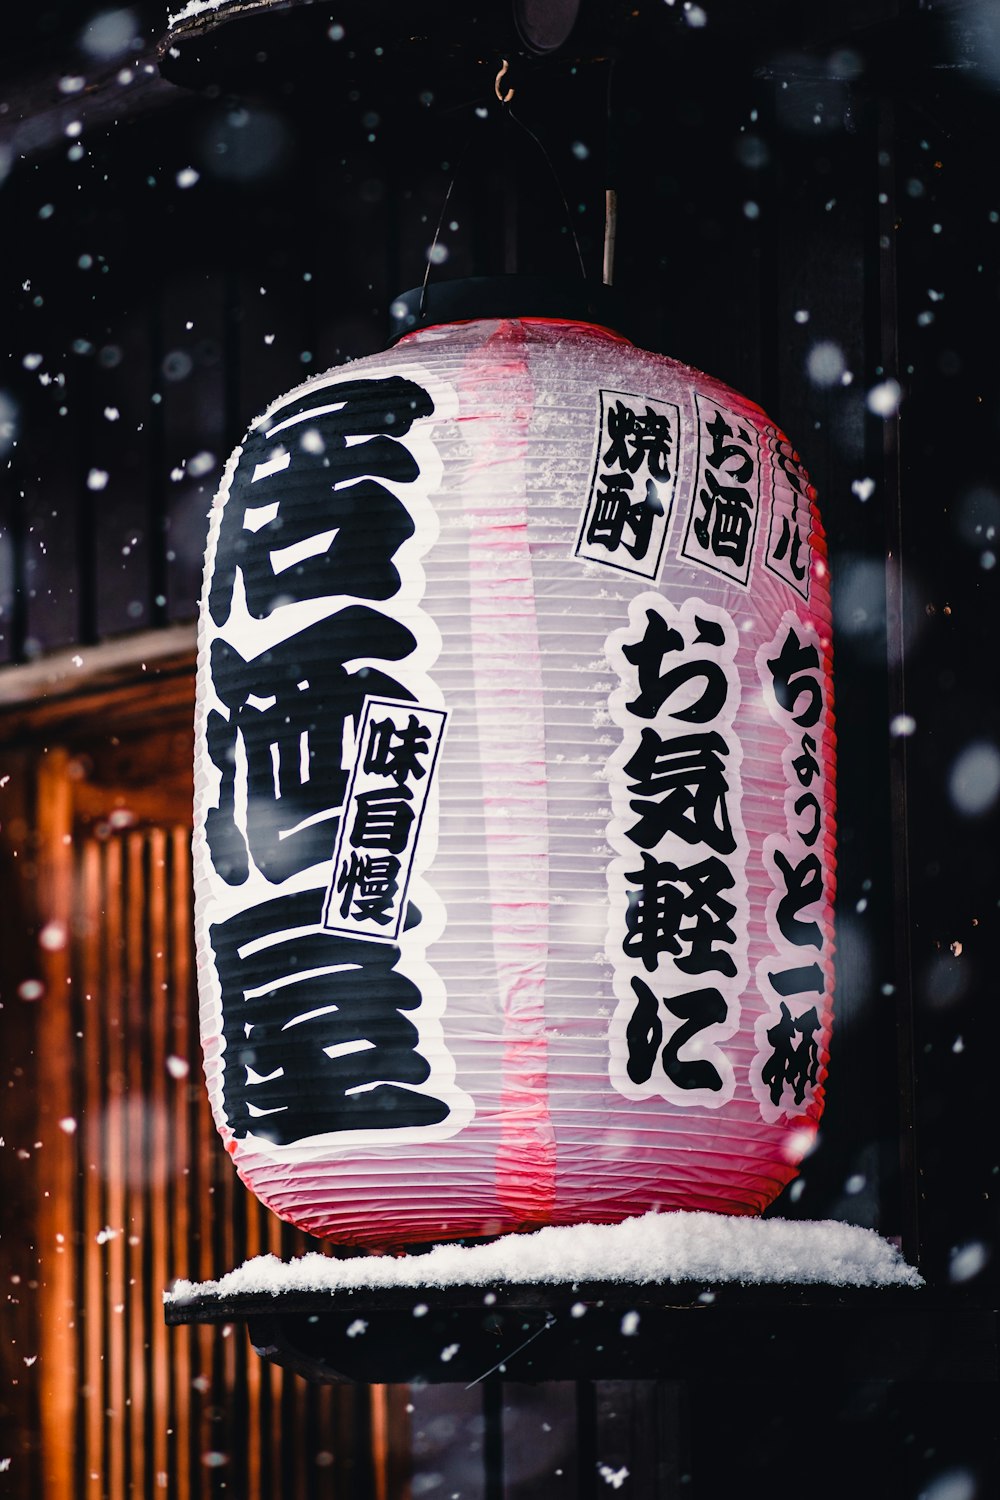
(135,1187)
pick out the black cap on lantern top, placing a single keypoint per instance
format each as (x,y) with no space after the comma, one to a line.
(474,297)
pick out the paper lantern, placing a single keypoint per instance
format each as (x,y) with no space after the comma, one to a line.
(514,792)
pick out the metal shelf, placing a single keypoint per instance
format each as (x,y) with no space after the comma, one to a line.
(688,1332)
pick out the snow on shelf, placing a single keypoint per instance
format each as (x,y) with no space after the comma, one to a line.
(195,8)
(663,1247)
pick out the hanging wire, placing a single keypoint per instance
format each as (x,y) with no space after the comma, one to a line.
(504,99)
(437,232)
(555,178)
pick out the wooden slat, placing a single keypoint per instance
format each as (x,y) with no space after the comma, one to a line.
(218,1208)
(400,1442)
(196,1260)
(628,1419)
(136,1163)
(229,1204)
(256,1435)
(338,1440)
(57,1159)
(324,1473)
(293,1436)
(540,1451)
(275,1376)
(116,1146)
(448,1435)
(379,1418)
(183,1047)
(91,1135)
(203,1210)
(158,894)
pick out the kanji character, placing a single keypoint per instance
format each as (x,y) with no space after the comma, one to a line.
(635,437)
(660,918)
(320,524)
(806,766)
(809,801)
(383,819)
(396,752)
(797,1065)
(686,777)
(315,1039)
(737,454)
(791,533)
(803,884)
(726,527)
(697,1010)
(370,884)
(287,709)
(657,687)
(613,512)
(792,674)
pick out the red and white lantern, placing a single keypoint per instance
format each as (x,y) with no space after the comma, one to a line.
(514,792)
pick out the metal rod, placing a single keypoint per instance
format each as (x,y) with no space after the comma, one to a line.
(586,1440)
(610,231)
(493,1438)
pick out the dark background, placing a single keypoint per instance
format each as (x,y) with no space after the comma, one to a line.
(808,208)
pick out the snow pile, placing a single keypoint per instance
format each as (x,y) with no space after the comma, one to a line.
(654,1248)
(195,8)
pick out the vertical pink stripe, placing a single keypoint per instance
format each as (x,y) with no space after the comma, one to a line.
(507,671)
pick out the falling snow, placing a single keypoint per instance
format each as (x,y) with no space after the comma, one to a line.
(884,399)
(966,1261)
(974,779)
(825,363)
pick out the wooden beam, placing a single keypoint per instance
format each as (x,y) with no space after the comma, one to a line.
(147,674)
